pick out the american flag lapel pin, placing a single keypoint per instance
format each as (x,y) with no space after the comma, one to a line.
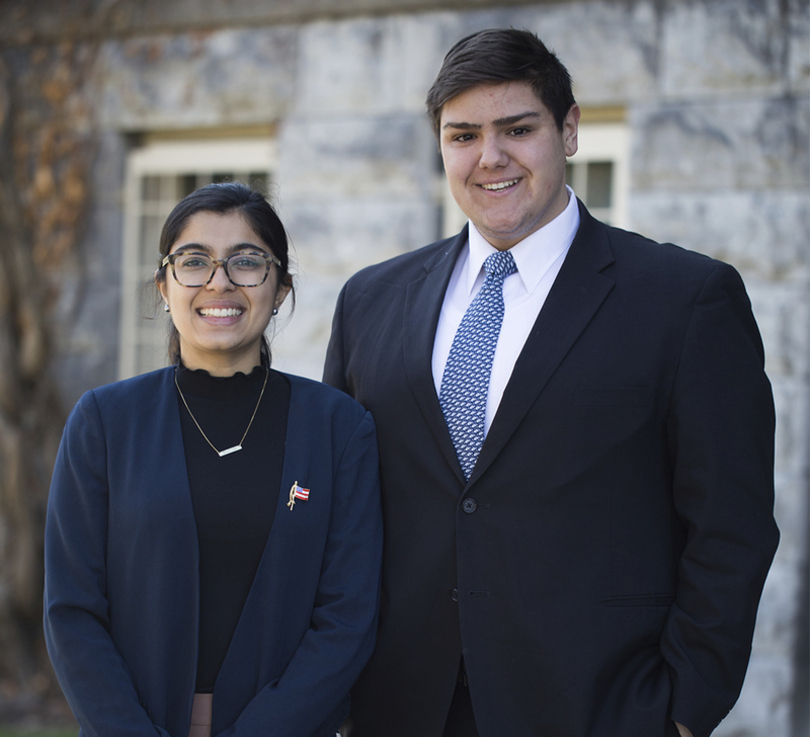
(297,492)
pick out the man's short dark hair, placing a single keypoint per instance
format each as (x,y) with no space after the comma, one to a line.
(502,55)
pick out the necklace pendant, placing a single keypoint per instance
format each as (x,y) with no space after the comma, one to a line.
(233,448)
(228,451)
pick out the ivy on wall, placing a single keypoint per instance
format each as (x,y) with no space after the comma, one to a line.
(46,154)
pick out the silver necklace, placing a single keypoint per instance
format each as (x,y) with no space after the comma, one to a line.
(233,448)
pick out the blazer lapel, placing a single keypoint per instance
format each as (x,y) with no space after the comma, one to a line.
(423,303)
(577,294)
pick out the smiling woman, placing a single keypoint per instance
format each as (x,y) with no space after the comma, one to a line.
(213,539)
(218,317)
(221,323)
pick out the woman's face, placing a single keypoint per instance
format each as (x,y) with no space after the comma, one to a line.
(221,325)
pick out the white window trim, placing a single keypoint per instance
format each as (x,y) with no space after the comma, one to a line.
(608,142)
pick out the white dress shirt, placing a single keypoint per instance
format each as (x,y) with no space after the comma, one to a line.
(538,258)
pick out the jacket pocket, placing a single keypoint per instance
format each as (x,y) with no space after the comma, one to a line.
(611,396)
(643,600)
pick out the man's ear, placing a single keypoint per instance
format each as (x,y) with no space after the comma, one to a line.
(571,129)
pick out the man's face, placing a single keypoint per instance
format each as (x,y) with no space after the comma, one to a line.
(505,159)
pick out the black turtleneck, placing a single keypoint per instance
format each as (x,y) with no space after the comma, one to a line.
(234,497)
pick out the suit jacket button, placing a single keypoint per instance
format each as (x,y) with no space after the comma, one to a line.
(454,594)
(469,506)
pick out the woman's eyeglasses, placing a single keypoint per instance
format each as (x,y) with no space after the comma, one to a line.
(243,269)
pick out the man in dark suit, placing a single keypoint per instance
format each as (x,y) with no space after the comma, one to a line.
(576,437)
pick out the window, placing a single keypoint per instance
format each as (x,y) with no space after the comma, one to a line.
(599,173)
(159,175)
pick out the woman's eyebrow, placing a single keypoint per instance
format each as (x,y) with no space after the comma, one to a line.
(231,249)
(194,247)
(245,246)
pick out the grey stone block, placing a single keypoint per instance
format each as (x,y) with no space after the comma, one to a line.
(775,631)
(744,144)
(88,341)
(724,48)
(790,398)
(369,65)
(228,77)
(763,233)
(349,156)
(798,62)
(791,511)
(107,176)
(611,49)
(783,315)
(300,345)
(343,237)
(763,709)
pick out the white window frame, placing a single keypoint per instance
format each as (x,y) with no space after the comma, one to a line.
(599,142)
(170,158)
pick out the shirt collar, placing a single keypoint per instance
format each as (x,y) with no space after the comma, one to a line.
(534,255)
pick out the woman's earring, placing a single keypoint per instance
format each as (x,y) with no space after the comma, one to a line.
(275,310)
(166,307)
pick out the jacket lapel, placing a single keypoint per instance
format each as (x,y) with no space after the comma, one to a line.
(577,294)
(423,303)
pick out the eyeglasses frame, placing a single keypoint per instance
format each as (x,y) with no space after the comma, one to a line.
(223,262)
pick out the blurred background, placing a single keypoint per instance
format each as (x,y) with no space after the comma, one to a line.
(695,129)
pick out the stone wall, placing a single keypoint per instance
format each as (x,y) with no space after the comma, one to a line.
(717,94)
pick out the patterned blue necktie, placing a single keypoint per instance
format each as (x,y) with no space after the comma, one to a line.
(465,383)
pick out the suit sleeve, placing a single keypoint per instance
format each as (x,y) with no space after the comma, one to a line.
(90,670)
(334,371)
(721,431)
(344,623)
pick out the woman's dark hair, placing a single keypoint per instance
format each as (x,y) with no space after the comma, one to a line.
(502,55)
(223,198)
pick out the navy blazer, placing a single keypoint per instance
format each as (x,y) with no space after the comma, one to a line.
(601,569)
(122,579)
